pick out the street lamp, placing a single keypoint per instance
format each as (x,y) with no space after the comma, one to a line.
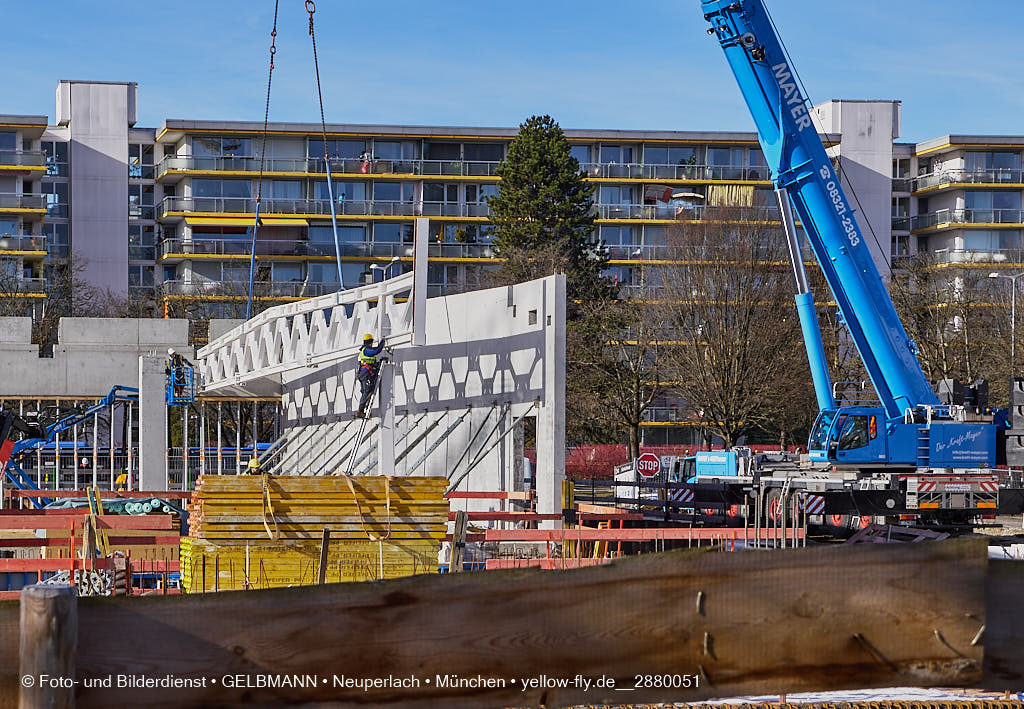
(1012,277)
(384,269)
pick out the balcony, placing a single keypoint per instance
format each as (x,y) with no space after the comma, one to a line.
(667,415)
(697,173)
(901,223)
(24,244)
(11,286)
(235,289)
(670,212)
(968,177)
(173,165)
(944,218)
(23,203)
(184,248)
(994,256)
(22,160)
(902,184)
(180,206)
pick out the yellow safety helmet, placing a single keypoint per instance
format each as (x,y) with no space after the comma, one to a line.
(367,337)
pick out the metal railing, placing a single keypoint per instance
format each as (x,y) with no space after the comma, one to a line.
(995,256)
(23,158)
(666,414)
(683,212)
(239,289)
(230,247)
(13,286)
(22,201)
(348,166)
(22,242)
(902,184)
(947,177)
(901,223)
(641,171)
(944,217)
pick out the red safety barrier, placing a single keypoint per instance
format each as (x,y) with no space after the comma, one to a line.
(106,494)
(647,534)
(546,564)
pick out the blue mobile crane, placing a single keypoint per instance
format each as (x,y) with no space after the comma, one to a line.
(886,459)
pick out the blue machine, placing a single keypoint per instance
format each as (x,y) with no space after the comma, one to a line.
(45,436)
(181,380)
(910,429)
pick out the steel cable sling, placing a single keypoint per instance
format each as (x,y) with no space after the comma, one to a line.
(263,155)
(310,8)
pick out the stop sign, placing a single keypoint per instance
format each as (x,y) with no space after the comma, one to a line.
(648,465)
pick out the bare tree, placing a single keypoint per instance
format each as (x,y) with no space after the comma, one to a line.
(729,293)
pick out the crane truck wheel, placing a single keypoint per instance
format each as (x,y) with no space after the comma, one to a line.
(733,516)
(838,525)
(773,507)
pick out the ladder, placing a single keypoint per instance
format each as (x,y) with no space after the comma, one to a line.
(366,417)
(923,447)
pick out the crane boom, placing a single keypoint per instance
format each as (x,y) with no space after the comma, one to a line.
(800,165)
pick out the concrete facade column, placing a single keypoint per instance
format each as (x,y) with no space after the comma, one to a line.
(385,398)
(152,423)
(551,415)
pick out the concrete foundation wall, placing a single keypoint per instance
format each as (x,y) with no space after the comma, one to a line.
(91,355)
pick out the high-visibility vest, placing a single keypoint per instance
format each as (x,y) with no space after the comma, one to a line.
(366,360)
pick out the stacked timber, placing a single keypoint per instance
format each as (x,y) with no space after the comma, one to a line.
(264,531)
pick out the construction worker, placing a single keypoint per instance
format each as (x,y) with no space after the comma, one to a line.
(369,367)
(253,466)
(121,482)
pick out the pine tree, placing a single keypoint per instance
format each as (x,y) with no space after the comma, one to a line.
(543,212)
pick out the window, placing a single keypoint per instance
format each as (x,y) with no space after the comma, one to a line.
(141,240)
(725,156)
(992,239)
(337,149)
(221,188)
(985,160)
(9,227)
(1000,207)
(396,150)
(617,194)
(394,192)
(140,276)
(442,151)
(483,152)
(58,243)
(287,272)
(581,153)
(8,140)
(617,153)
(140,160)
(286,189)
(140,201)
(56,196)
(854,433)
(440,192)
(56,157)
(343,191)
(391,234)
(346,235)
(221,147)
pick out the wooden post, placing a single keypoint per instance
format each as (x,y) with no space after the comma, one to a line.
(49,640)
(325,544)
(458,541)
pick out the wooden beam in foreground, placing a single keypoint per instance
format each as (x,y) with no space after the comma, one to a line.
(735,624)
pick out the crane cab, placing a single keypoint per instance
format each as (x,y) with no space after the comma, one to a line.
(849,435)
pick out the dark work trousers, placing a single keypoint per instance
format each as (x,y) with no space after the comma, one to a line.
(367,380)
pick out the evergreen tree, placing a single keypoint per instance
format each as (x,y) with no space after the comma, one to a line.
(543,213)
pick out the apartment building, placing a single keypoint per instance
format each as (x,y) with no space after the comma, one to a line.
(167,213)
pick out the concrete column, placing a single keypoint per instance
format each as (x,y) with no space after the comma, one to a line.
(152,423)
(385,398)
(551,414)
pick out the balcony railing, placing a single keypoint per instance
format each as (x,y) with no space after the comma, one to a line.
(684,213)
(22,201)
(944,217)
(667,414)
(22,242)
(10,285)
(901,184)
(640,171)
(948,177)
(994,256)
(229,247)
(901,223)
(454,168)
(23,158)
(240,289)
(359,208)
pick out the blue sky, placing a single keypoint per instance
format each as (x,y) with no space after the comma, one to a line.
(588,63)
